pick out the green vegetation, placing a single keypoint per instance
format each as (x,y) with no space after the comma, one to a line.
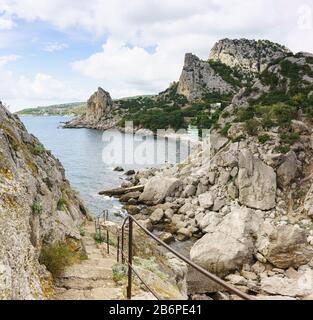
(252,126)
(82,231)
(119,272)
(225,130)
(151,265)
(228,74)
(37,207)
(264,138)
(282,149)
(58,256)
(38,149)
(62,204)
(75,109)
(289,138)
(101,238)
(279,114)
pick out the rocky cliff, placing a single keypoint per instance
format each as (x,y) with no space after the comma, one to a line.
(247,55)
(199,77)
(37,208)
(101,113)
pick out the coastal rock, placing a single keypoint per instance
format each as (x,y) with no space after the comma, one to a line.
(158,188)
(98,105)
(288,247)
(230,245)
(256,181)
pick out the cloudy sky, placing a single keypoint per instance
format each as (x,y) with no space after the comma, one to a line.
(54,51)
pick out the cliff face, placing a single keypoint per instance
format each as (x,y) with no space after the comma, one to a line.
(37,206)
(100,113)
(247,55)
(198,77)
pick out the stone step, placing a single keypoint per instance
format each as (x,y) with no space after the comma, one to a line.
(84,284)
(88,272)
(94,294)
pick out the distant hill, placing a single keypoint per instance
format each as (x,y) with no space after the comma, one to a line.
(74,108)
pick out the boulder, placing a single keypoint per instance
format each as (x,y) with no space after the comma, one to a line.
(256,181)
(157,216)
(288,247)
(166,237)
(308,202)
(230,245)
(118,169)
(299,127)
(158,188)
(287,171)
(206,200)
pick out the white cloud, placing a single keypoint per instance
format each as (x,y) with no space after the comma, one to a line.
(54,46)
(172,27)
(6,59)
(6,23)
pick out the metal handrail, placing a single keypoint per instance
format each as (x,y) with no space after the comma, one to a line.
(206,273)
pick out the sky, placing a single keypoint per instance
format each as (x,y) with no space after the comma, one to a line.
(58,51)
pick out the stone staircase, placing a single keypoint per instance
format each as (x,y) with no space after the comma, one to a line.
(90,279)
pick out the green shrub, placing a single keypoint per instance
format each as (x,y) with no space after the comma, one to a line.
(283,114)
(289,138)
(62,204)
(58,256)
(264,138)
(252,127)
(82,231)
(37,207)
(267,122)
(225,130)
(282,149)
(119,272)
(38,149)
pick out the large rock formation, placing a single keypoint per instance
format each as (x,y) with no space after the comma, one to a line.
(37,206)
(100,114)
(98,106)
(247,55)
(199,77)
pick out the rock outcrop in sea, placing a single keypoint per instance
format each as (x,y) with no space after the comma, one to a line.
(101,113)
(38,207)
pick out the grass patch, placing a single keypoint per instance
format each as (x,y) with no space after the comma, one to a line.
(289,138)
(62,204)
(56,257)
(282,149)
(252,126)
(119,272)
(264,138)
(224,131)
(37,207)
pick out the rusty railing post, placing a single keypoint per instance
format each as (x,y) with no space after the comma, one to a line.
(122,246)
(130,258)
(108,242)
(118,249)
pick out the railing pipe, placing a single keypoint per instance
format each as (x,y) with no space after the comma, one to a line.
(130,258)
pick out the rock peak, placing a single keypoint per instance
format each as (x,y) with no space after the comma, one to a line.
(247,55)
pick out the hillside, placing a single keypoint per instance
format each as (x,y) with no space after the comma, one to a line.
(204,88)
(66,109)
